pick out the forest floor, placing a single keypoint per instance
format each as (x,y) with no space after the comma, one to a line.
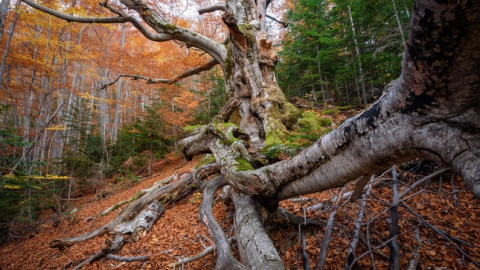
(442,201)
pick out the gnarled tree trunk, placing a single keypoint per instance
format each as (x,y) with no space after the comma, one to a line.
(432,111)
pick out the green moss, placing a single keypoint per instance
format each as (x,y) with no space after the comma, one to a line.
(333,111)
(243,165)
(274,136)
(227,129)
(170,26)
(311,121)
(191,129)
(207,159)
(291,115)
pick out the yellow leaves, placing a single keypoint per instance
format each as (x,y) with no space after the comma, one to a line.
(11,187)
(57,127)
(36,177)
(9,176)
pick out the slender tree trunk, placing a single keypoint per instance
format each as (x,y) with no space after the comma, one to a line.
(117,120)
(8,42)
(3,15)
(346,92)
(398,22)
(406,9)
(319,66)
(359,59)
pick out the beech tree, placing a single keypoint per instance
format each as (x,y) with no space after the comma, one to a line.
(431,111)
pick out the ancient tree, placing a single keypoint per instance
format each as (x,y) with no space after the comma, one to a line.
(431,111)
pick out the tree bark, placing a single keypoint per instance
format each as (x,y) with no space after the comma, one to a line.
(359,59)
(432,111)
(3,15)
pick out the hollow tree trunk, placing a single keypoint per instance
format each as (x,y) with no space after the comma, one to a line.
(249,71)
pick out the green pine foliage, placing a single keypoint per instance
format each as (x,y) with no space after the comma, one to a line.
(321,41)
(213,100)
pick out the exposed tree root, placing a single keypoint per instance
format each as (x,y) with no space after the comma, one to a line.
(283,217)
(197,256)
(256,248)
(134,229)
(166,193)
(139,194)
(225,259)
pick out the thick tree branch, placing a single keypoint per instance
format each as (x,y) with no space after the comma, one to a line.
(406,123)
(174,32)
(165,31)
(72,18)
(188,73)
(207,66)
(216,7)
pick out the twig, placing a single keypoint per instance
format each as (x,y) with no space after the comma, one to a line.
(412,265)
(91,259)
(306,262)
(328,233)
(358,225)
(197,256)
(443,234)
(375,249)
(369,246)
(128,259)
(454,191)
(430,176)
(393,225)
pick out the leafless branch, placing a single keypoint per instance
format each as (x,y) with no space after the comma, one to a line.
(112,9)
(205,252)
(444,234)
(72,18)
(101,20)
(172,80)
(328,232)
(413,263)
(358,225)
(408,189)
(393,225)
(285,24)
(127,259)
(216,7)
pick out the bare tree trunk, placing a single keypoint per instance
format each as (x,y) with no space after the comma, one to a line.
(319,66)
(398,22)
(3,15)
(117,120)
(359,59)
(8,42)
